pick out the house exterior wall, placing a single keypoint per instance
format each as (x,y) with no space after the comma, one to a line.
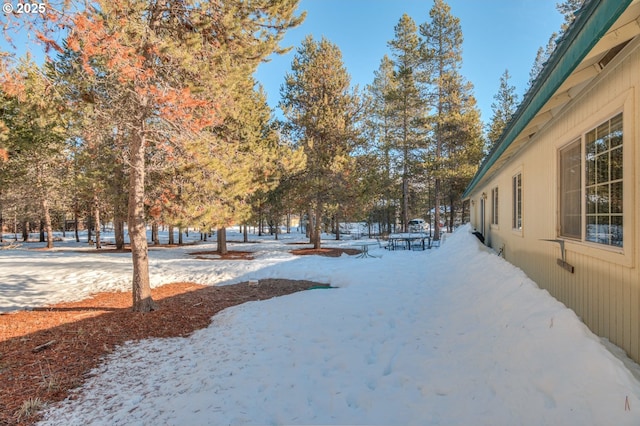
(604,289)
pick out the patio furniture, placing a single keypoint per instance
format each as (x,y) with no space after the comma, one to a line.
(409,241)
(364,249)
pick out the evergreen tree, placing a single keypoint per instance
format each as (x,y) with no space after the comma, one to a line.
(175,64)
(568,8)
(542,56)
(504,106)
(463,142)
(408,105)
(442,49)
(381,129)
(34,116)
(321,109)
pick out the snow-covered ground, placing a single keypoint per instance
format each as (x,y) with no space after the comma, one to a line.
(453,336)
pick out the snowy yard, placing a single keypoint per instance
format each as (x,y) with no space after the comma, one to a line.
(453,336)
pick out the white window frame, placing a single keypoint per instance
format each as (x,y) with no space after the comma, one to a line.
(517,202)
(623,103)
(495,206)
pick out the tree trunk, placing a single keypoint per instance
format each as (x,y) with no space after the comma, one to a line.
(171,241)
(120,210)
(222,241)
(118,230)
(317,232)
(451,207)
(405,205)
(245,233)
(96,210)
(76,213)
(180,235)
(154,233)
(142,301)
(89,226)
(44,203)
(436,215)
(41,231)
(310,225)
(25,231)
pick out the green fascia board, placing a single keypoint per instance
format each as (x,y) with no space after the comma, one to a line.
(590,25)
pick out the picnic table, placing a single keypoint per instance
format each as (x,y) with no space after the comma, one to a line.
(364,248)
(409,240)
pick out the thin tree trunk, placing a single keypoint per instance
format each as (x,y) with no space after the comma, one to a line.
(317,233)
(48,228)
(245,233)
(171,241)
(222,241)
(89,226)
(41,231)
(142,301)
(180,236)
(311,227)
(436,231)
(120,211)
(96,207)
(76,213)
(25,231)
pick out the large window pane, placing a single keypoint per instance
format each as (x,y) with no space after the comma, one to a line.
(570,191)
(604,183)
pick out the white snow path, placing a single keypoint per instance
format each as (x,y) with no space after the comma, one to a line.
(454,336)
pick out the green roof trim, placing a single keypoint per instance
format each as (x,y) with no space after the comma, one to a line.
(591,23)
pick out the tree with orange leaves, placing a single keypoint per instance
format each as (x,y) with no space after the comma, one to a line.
(171,66)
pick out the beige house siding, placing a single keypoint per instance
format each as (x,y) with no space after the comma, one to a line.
(604,290)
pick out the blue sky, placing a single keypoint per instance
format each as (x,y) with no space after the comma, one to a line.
(498,35)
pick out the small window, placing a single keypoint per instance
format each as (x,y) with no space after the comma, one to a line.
(517,202)
(494,206)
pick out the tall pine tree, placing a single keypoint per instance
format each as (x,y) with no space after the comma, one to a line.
(174,63)
(36,140)
(381,127)
(408,106)
(321,109)
(442,51)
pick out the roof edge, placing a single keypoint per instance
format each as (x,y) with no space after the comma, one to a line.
(593,21)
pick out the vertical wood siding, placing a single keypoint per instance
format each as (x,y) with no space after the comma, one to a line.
(604,294)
